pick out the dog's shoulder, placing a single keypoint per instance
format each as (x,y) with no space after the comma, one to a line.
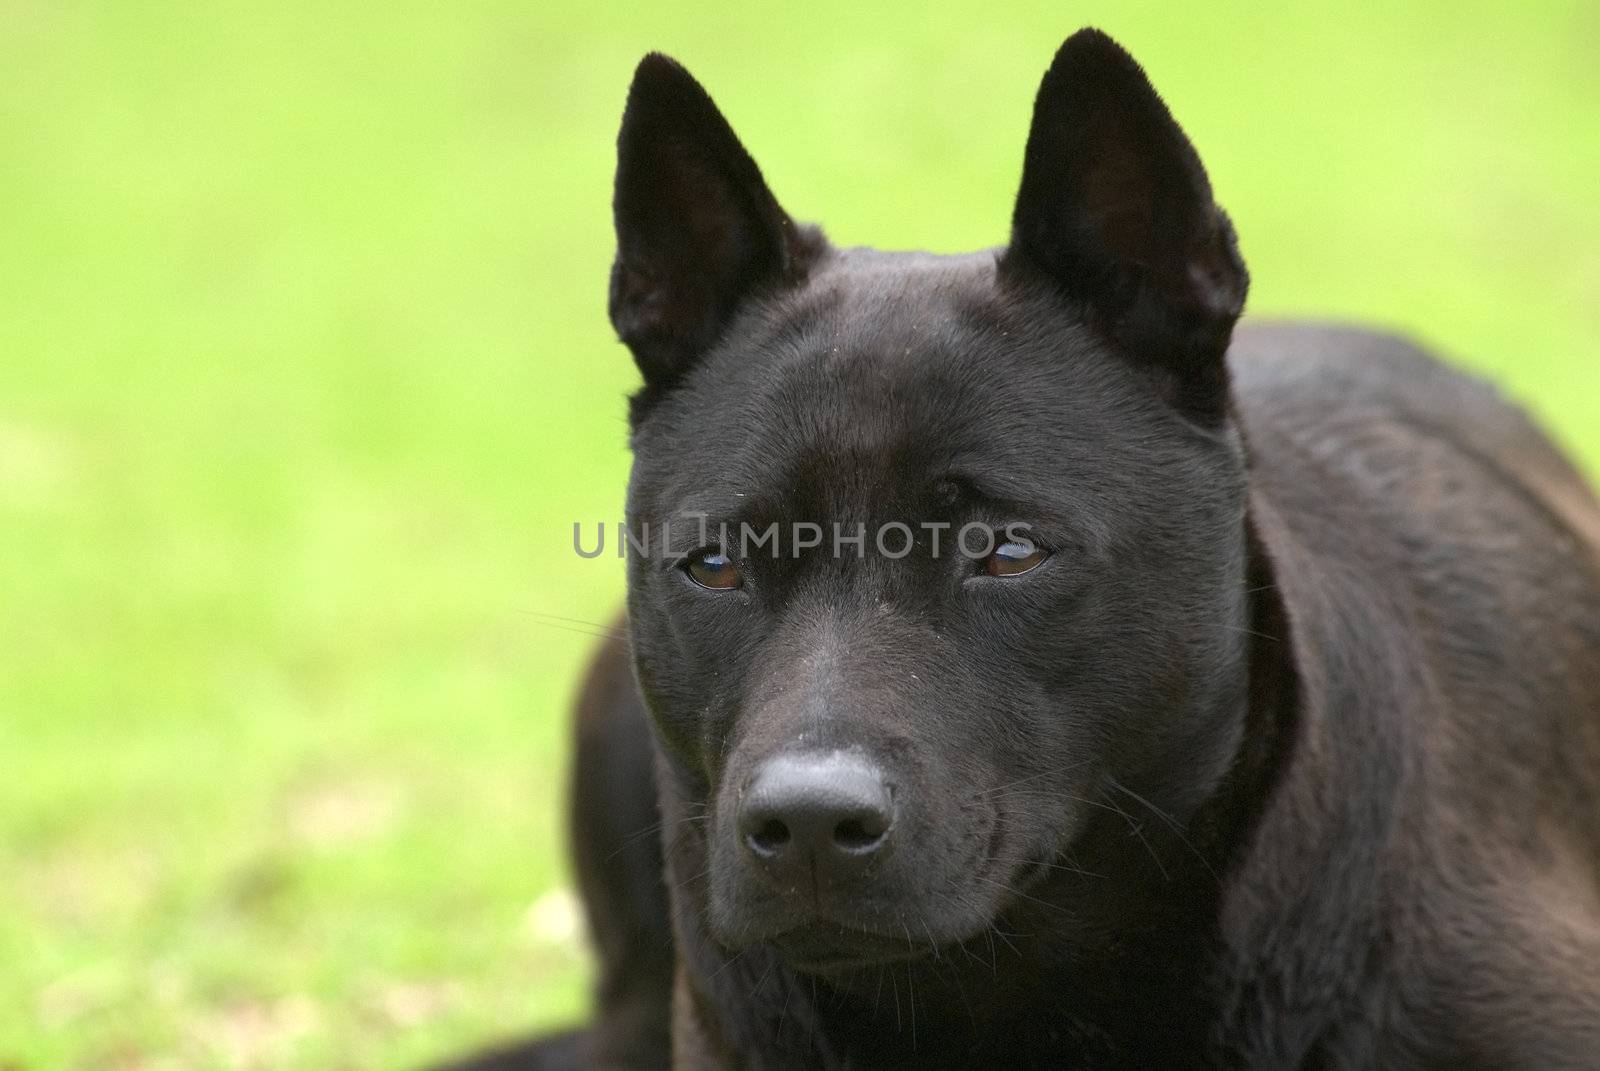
(1450,527)
(1382,432)
(1332,379)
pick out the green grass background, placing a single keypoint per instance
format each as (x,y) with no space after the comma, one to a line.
(304,377)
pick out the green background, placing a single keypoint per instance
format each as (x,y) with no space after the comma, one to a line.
(304,377)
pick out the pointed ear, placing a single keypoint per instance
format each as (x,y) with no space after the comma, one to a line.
(1116,212)
(697,229)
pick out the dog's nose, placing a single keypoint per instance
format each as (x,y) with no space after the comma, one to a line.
(832,812)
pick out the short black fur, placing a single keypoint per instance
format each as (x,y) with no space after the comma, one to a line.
(1287,755)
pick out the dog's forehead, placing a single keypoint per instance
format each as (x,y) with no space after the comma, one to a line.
(861,391)
(873,360)
(875,276)
(888,310)
(866,393)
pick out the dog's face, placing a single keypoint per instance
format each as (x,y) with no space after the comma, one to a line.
(939,551)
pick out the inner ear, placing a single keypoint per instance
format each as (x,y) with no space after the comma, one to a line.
(698,231)
(1116,212)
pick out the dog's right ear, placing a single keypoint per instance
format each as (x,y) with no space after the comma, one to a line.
(697,229)
(1115,210)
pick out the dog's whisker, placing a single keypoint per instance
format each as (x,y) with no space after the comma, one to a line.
(1012,890)
(731,960)
(610,628)
(1170,822)
(1035,777)
(577,630)
(632,839)
(771,962)
(1070,869)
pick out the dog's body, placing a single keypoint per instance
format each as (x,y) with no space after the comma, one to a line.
(1412,880)
(1280,748)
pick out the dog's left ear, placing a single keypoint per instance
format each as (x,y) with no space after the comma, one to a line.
(1116,211)
(698,232)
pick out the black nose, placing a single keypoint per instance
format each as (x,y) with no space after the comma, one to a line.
(831,812)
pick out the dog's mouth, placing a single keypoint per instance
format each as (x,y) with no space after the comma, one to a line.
(824,948)
(821,945)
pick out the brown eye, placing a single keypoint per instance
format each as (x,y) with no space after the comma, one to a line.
(713,569)
(1014,559)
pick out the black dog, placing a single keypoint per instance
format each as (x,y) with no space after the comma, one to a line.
(1261,729)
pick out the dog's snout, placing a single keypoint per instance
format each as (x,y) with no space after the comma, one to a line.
(827,815)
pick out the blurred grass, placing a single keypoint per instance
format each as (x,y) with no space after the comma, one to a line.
(304,377)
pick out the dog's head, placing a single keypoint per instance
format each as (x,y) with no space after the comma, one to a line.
(941,551)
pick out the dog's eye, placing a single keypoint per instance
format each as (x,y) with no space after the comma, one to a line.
(710,568)
(1014,559)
